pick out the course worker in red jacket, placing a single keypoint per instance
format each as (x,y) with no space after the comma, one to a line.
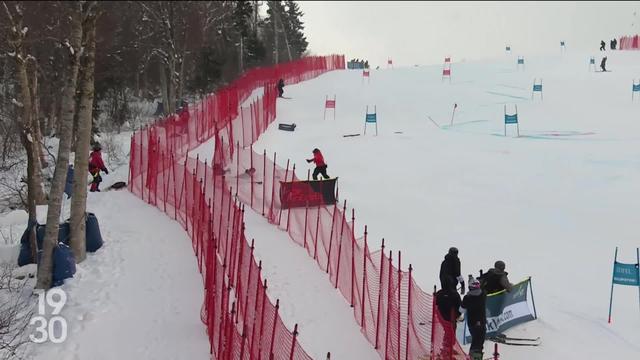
(95,165)
(321,166)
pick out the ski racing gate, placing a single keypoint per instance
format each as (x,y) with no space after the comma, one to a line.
(395,315)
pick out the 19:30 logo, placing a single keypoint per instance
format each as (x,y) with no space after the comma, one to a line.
(55,328)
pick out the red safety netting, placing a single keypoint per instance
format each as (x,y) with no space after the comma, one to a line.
(629,43)
(395,315)
(242,322)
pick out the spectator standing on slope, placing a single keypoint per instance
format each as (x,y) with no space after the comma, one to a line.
(475,303)
(450,271)
(496,279)
(603,64)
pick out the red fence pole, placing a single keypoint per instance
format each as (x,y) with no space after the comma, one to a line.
(175,184)
(244,338)
(399,297)
(306,211)
(364,277)
(353,252)
(409,286)
(193,204)
(433,319)
(386,335)
(229,338)
(286,173)
(333,219)
(222,192)
(255,311)
(293,176)
(131,161)
(293,343)
(238,168)
(344,210)
(251,172)
(222,310)
(264,179)
(239,279)
(164,184)
(315,244)
(379,293)
(273,185)
(273,331)
(141,170)
(204,189)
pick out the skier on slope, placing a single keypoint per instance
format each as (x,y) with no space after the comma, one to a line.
(450,271)
(475,303)
(602,45)
(95,165)
(603,63)
(280,87)
(496,279)
(321,166)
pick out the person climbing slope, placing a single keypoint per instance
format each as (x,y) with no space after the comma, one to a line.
(95,165)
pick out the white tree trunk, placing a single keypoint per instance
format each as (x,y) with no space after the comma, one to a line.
(62,161)
(164,87)
(16,39)
(81,164)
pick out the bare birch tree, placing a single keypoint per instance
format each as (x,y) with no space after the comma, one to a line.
(83,133)
(73,46)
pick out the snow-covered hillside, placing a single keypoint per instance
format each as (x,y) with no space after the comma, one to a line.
(553,203)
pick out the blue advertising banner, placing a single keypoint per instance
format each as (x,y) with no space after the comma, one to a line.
(371,118)
(625,274)
(511,119)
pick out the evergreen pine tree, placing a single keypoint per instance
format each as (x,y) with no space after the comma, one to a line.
(276,45)
(253,50)
(295,29)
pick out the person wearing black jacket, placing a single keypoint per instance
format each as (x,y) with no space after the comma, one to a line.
(448,302)
(475,303)
(450,271)
(280,87)
(603,64)
(496,279)
(602,45)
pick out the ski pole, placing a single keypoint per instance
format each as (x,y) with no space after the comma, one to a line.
(454,112)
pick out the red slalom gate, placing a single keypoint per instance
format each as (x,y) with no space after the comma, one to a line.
(243,323)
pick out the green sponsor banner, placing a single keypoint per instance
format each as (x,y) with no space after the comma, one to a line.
(507,309)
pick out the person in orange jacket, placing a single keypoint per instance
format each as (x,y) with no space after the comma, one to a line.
(321,166)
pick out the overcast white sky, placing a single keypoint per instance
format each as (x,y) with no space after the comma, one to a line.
(415,32)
